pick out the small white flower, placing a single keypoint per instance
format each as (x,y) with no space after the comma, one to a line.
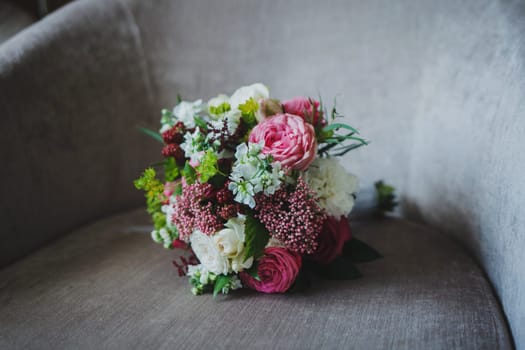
(194,145)
(169,211)
(185,111)
(256,91)
(333,184)
(243,191)
(208,253)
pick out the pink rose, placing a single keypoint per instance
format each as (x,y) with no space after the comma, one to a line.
(288,139)
(331,240)
(304,107)
(277,271)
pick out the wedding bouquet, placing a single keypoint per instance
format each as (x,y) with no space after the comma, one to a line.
(252,188)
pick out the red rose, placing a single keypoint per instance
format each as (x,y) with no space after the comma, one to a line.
(304,107)
(331,240)
(277,271)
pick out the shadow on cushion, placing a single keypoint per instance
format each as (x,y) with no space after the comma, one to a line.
(109,286)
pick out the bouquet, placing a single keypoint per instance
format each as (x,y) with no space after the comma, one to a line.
(253,190)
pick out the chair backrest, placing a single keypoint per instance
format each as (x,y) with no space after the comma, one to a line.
(73,88)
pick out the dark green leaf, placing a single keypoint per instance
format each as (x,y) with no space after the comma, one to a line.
(340,269)
(256,237)
(360,252)
(218,181)
(201,123)
(152,134)
(386,197)
(344,150)
(336,126)
(189,174)
(179,98)
(171,170)
(221,282)
(254,271)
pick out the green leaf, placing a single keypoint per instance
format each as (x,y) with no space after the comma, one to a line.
(257,237)
(171,170)
(254,271)
(248,110)
(386,197)
(344,150)
(179,98)
(221,282)
(152,134)
(336,126)
(360,252)
(189,173)
(340,269)
(201,123)
(208,166)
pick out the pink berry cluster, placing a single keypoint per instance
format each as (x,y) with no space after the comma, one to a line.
(202,207)
(293,217)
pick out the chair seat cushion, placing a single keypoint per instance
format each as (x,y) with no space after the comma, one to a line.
(108,285)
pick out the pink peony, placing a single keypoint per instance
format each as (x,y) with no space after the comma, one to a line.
(304,107)
(331,240)
(277,271)
(288,139)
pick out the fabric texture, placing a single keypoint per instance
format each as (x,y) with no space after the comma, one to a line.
(108,286)
(71,97)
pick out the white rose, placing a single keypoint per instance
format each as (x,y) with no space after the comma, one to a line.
(230,242)
(256,91)
(334,186)
(185,111)
(208,253)
(239,265)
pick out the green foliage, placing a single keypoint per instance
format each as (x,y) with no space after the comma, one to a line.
(153,188)
(386,197)
(220,109)
(222,284)
(248,110)
(254,271)
(201,123)
(335,144)
(257,237)
(208,166)
(189,173)
(171,169)
(159,220)
(153,134)
(360,252)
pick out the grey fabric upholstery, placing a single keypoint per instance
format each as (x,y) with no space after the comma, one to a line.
(107,286)
(436,85)
(12,20)
(71,97)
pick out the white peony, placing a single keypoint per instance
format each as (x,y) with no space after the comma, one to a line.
(185,112)
(256,91)
(333,184)
(208,253)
